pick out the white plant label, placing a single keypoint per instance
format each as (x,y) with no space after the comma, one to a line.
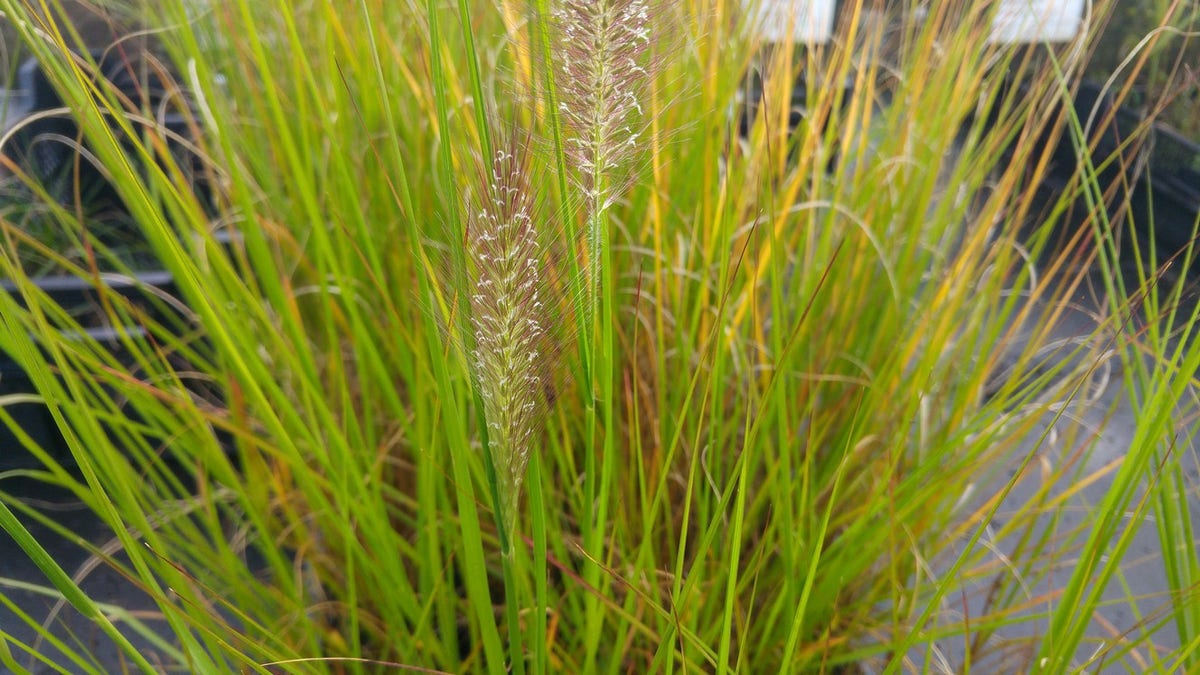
(1037,21)
(805,21)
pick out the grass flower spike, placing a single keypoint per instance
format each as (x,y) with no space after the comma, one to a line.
(507,318)
(601,76)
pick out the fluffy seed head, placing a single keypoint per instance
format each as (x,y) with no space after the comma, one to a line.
(602,71)
(507,317)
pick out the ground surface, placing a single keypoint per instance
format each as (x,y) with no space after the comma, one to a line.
(99,581)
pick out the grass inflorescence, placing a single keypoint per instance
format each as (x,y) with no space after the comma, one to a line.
(640,370)
(508,318)
(601,73)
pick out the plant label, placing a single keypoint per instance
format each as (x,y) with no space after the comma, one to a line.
(801,21)
(1037,21)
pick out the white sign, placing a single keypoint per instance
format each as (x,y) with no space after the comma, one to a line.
(1037,20)
(806,21)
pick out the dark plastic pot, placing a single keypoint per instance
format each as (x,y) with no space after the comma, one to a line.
(752,94)
(1174,180)
(44,149)
(1162,171)
(80,297)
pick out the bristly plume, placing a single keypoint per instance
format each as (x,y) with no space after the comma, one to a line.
(602,72)
(507,317)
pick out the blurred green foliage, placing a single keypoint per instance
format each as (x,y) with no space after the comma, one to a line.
(1172,74)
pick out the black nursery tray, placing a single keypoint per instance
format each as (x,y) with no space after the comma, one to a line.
(1164,167)
(79,296)
(36,147)
(1163,171)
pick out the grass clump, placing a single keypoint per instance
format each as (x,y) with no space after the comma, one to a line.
(764,390)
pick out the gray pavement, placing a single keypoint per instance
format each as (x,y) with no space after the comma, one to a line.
(26,588)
